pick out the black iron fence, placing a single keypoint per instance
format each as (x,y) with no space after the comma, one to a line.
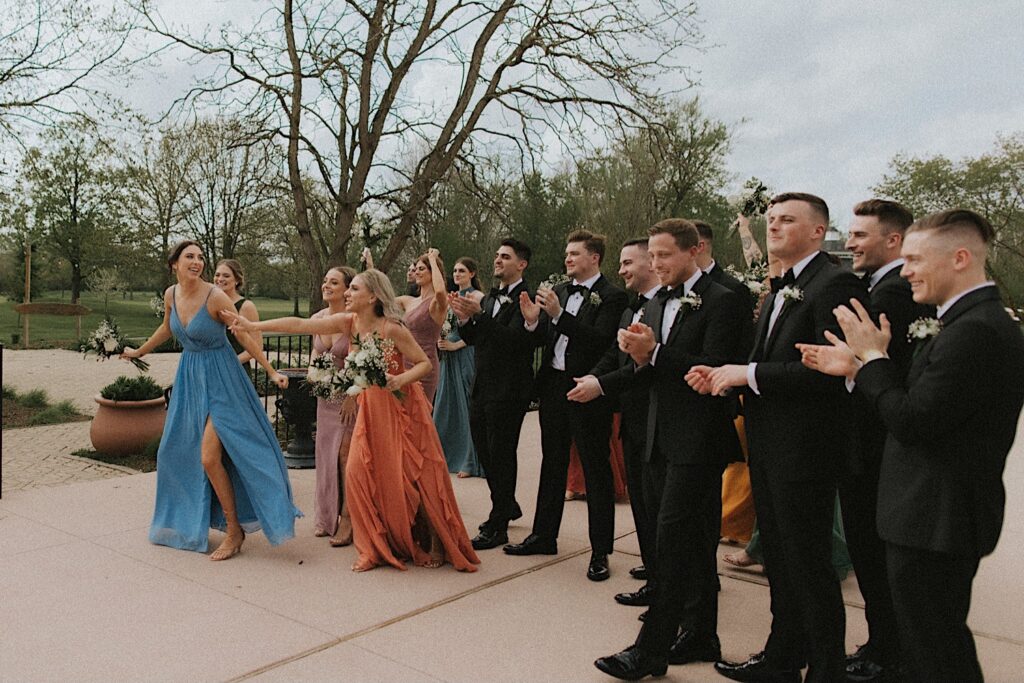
(282,351)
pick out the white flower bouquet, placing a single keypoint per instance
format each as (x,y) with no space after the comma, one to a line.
(553,279)
(324,378)
(106,341)
(367,364)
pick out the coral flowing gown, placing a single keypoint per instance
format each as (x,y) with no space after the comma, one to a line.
(211,383)
(395,468)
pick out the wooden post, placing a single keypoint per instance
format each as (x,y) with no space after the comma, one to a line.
(28,293)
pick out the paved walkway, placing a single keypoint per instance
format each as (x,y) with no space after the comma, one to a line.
(35,457)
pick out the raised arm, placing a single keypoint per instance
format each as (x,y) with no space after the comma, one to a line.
(160,334)
(337,323)
(439,306)
(219,304)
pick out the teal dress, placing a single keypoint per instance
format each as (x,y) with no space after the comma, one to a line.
(210,382)
(451,405)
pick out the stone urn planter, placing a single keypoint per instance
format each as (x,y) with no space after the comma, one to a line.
(126,427)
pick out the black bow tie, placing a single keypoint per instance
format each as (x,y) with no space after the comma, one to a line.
(639,302)
(666,293)
(577,289)
(786,280)
(496,292)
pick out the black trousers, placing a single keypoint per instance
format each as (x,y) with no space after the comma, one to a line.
(589,425)
(633,455)
(858,497)
(808,618)
(689,503)
(495,430)
(931,593)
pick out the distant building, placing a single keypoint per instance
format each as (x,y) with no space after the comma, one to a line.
(835,244)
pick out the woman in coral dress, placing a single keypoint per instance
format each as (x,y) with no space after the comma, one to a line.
(397,486)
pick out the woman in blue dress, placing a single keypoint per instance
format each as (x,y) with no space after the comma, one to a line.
(214,403)
(451,404)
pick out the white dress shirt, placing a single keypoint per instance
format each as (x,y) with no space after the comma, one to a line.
(572,307)
(672,307)
(497,303)
(880,273)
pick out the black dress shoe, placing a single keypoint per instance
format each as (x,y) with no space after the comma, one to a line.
(640,598)
(598,569)
(757,670)
(691,647)
(643,615)
(533,545)
(639,573)
(489,538)
(631,665)
(863,666)
(517,513)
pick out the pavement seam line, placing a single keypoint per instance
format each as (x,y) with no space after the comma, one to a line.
(402,617)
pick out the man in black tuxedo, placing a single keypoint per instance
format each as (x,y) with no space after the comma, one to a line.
(706,262)
(503,384)
(876,237)
(577,321)
(631,397)
(950,426)
(693,321)
(793,419)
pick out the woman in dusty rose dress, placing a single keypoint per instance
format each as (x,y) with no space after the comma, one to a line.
(425,314)
(396,480)
(333,431)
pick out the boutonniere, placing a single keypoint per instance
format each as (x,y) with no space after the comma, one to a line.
(791,293)
(595,299)
(923,328)
(690,299)
(504,299)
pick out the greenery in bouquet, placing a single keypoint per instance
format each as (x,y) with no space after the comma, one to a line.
(367,364)
(753,277)
(553,279)
(106,341)
(324,378)
(755,198)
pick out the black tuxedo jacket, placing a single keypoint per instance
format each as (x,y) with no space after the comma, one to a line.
(590,331)
(950,429)
(503,351)
(798,423)
(723,278)
(629,396)
(892,296)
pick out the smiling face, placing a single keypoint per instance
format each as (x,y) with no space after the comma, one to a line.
(795,231)
(421,274)
(672,264)
(507,266)
(635,268)
(333,287)
(224,278)
(580,263)
(358,297)
(462,275)
(930,267)
(190,264)
(871,247)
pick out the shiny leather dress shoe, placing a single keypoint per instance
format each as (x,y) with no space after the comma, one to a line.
(757,670)
(691,647)
(517,513)
(631,665)
(533,545)
(864,670)
(489,538)
(598,569)
(640,598)
(639,573)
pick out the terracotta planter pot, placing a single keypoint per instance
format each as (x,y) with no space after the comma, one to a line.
(126,427)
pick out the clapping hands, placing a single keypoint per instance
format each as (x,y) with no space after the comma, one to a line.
(638,341)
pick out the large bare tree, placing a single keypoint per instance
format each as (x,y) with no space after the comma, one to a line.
(354,86)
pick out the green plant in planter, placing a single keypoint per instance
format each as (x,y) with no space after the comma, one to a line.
(138,388)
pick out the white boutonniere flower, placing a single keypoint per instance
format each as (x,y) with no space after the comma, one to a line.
(552,280)
(791,293)
(923,328)
(504,299)
(690,299)
(595,299)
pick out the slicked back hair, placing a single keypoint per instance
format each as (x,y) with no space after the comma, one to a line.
(956,220)
(594,243)
(683,231)
(523,252)
(892,216)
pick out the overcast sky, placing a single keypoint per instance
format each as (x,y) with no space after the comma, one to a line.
(829,91)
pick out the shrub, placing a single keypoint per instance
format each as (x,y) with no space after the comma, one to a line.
(139,388)
(36,398)
(9,393)
(54,414)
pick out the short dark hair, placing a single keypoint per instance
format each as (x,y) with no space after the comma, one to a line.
(704,230)
(955,220)
(635,242)
(893,216)
(593,242)
(816,202)
(683,231)
(176,252)
(522,251)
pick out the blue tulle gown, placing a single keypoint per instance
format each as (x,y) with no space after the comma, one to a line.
(451,407)
(211,382)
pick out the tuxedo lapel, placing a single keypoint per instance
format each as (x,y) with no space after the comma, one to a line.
(653,310)
(684,312)
(762,328)
(806,275)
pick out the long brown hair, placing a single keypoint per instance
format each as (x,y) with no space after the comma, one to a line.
(176,253)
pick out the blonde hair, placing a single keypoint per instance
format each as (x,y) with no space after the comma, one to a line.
(379,286)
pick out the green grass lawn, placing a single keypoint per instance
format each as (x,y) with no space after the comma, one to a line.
(133,316)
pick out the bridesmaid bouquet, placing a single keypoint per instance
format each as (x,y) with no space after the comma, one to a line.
(324,378)
(106,342)
(754,277)
(367,365)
